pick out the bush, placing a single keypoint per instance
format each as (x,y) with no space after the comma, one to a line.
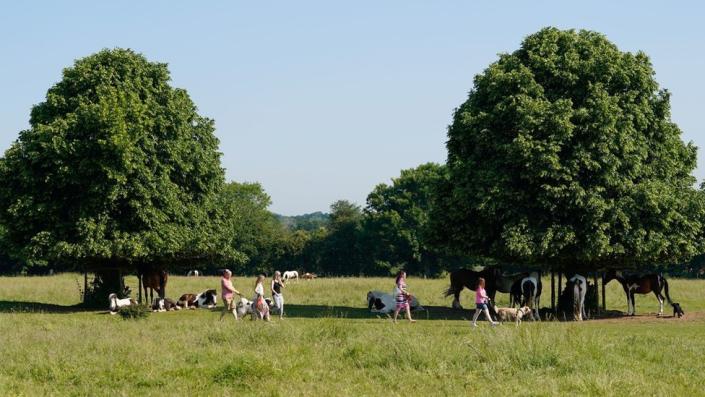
(134,312)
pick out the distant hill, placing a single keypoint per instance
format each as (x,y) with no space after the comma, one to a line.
(308,222)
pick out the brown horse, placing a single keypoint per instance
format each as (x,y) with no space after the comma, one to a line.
(640,284)
(495,281)
(154,280)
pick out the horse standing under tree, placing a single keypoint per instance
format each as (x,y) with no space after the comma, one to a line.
(495,281)
(153,280)
(527,292)
(640,284)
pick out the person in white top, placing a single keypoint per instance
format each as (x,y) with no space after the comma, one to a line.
(260,305)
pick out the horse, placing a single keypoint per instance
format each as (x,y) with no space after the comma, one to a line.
(640,284)
(579,287)
(154,280)
(164,305)
(115,303)
(495,281)
(290,274)
(527,291)
(207,299)
(309,276)
(193,273)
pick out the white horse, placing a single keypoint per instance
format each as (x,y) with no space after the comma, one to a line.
(115,303)
(193,273)
(291,274)
(579,292)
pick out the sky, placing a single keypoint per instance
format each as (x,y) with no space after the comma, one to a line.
(321,101)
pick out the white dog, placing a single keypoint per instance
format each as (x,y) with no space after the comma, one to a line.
(512,314)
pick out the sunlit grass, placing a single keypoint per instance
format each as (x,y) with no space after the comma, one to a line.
(330,345)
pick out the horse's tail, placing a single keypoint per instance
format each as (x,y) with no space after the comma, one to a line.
(452,288)
(450,291)
(665,289)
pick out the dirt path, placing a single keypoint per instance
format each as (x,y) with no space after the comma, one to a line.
(620,317)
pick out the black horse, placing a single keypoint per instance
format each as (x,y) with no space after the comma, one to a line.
(495,281)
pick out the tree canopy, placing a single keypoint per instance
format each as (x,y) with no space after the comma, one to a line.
(565,154)
(117,166)
(254,231)
(397,221)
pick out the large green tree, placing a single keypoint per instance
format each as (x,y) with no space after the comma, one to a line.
(564,154)
(117,168)
(396,224)
(338,251)
(254,231)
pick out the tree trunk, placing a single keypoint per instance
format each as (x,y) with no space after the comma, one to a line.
(553,291)
(112,282)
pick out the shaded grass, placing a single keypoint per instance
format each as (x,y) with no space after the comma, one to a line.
(329,344)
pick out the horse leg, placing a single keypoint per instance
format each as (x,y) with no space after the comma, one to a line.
(631,296)
(456,300)
(629,302)
(491,294)
(660,303)
(537,303)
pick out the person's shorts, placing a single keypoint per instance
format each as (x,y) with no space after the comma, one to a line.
(481,306)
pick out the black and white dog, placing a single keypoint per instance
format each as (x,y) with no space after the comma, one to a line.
(205,299)
(164,305)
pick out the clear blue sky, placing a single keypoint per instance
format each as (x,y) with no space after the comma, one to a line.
(321,101)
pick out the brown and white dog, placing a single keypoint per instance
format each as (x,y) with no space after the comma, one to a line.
(205,299)
(512,314)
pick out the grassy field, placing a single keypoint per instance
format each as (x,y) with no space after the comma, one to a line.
(330,345)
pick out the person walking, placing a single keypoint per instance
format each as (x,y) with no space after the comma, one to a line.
(481,302)
(277,296)
(227,291)
(402,297)
(261,306)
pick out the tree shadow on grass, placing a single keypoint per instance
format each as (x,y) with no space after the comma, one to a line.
(37,307)
(319,311)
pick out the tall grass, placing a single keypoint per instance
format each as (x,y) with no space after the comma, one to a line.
(330,345)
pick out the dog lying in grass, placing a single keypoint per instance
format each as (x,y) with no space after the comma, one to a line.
(512,314)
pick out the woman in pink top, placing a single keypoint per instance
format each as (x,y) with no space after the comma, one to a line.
(481,301)
(228,290)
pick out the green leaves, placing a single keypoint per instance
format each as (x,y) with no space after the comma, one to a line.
(564,154)
(116,166)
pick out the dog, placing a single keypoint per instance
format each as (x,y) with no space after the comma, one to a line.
(512,314)
(164,305)
(677,311)
(246,306)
